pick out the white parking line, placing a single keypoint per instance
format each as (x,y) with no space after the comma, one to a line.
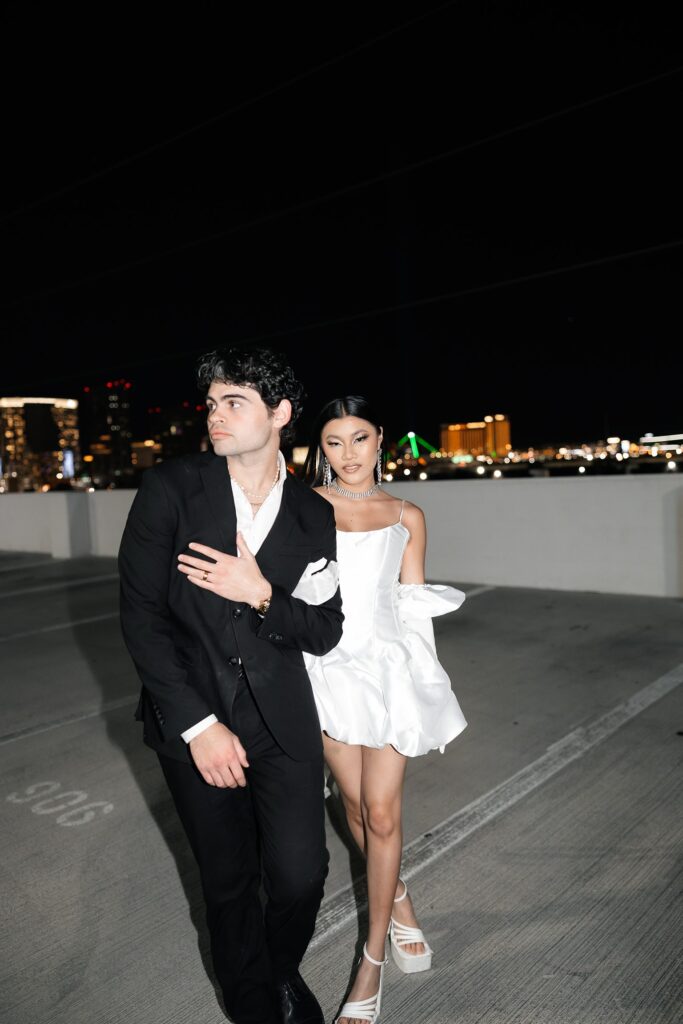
(342,907)
(34,730)
(60,586)
(60,625)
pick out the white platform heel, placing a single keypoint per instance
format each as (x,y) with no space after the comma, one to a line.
(402,935)
(365,1009)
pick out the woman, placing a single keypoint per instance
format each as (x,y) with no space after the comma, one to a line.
(381,694)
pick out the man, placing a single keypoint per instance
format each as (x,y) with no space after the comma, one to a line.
(214,548)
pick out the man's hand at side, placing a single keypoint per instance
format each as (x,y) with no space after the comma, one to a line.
(219,757)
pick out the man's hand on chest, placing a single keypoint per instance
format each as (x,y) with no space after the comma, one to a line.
(234,578)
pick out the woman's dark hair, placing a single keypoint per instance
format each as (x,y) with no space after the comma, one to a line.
(259,368)
(335,409)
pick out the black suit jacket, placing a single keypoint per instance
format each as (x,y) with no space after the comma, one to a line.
(183,639)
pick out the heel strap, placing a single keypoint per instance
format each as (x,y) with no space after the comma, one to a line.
(377,963)
(405,892)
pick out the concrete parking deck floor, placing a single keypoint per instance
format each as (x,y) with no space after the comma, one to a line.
(543,848)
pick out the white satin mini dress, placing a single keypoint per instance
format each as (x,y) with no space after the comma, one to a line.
(383,682)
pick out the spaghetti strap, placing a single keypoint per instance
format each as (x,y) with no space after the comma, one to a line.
(403,505)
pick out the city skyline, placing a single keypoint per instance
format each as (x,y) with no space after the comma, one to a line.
(141,418)
(43,445)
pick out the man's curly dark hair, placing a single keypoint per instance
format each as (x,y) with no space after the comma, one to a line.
(259,368)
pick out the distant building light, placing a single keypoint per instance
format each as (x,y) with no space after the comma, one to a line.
(480,470)
(423,476)
(299,455)
(582,469)
(19,403)
(406,472)
(487,419)
(672,465)
(389,477)
(613,440)
(497,474)
(649,438)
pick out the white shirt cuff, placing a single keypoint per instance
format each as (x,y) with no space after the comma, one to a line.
(195,730)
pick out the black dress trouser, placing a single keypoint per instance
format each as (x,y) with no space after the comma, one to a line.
(274,825)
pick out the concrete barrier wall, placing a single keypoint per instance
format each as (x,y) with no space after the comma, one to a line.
(619,535)
(108,512)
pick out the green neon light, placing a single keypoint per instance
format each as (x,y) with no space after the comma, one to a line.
(415,440)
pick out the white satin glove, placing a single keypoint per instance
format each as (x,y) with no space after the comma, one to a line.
(419,603)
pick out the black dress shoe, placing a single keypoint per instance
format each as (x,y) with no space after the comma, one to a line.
(297,1003)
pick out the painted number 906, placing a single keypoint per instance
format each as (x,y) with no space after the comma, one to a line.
(69,805)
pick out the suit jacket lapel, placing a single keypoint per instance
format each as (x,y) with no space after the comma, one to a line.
(216,480)
(281,528)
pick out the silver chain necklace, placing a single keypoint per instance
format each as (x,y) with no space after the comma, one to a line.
(357,495)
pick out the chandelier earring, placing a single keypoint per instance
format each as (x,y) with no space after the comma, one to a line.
(379,466)
(327,473)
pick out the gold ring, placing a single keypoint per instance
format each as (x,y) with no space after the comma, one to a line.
(205,576)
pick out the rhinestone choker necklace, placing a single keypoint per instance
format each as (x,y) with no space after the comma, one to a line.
(357,495)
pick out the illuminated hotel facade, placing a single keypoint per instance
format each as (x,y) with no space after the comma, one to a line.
(490,436)
(39,442)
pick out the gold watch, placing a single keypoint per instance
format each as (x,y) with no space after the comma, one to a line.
(263,607)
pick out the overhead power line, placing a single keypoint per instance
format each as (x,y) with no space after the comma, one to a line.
(344,190)
(223,115)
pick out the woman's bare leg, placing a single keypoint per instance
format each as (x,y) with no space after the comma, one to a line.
(345,761)
(379,798)
(346,764)
(371,786)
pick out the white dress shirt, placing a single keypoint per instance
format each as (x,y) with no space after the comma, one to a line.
(254,527)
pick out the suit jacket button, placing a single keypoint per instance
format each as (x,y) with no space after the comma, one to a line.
(233,661)
(236,613)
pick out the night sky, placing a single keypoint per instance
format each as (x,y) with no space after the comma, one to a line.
(454,208)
